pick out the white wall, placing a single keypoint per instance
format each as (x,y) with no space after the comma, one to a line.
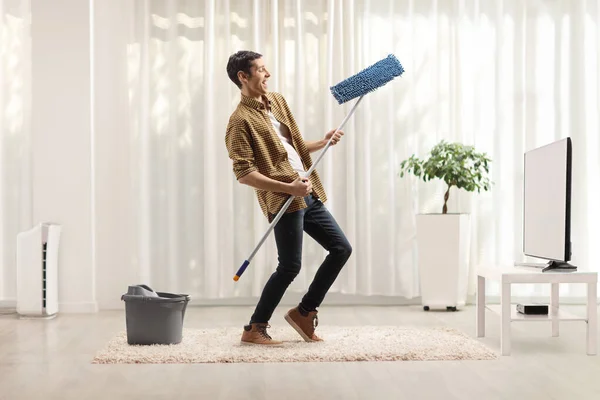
(61,142)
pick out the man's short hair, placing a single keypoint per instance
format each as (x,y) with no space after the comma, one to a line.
(240,61)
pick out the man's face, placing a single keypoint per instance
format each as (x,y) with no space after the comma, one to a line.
(257,82)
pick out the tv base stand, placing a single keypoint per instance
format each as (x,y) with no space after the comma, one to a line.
(557,266)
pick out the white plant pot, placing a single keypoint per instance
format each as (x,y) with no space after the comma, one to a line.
(443,258)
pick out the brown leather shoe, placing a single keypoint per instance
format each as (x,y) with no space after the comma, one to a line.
(305,326)
(257,334)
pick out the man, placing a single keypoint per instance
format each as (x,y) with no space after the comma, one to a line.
(270,155)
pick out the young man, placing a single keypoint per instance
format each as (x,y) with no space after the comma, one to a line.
(270,155)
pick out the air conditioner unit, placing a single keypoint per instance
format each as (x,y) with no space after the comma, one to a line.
(37,271)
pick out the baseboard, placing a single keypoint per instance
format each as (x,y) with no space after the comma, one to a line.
(78,307)
(333,299)
(67,308)
(289,299)
(337,299)
(8,304)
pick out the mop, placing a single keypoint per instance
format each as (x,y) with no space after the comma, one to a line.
(368,80)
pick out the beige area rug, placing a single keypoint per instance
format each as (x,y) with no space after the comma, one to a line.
(364,343)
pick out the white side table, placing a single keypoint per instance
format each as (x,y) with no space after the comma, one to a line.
(509,275)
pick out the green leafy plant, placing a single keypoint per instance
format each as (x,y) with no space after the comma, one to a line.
(455,164)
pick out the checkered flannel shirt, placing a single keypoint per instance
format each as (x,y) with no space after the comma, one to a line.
(253,145)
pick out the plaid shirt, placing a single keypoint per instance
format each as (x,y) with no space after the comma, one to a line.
(253,145)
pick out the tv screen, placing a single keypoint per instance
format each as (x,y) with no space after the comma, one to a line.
(547,201)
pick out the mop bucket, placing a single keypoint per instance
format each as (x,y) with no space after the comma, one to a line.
(154,317)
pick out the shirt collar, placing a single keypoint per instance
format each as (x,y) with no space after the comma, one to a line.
(253,103)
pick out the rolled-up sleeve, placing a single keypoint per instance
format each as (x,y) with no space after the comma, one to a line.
(239,147)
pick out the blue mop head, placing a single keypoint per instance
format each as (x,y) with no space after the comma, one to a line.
(368,80)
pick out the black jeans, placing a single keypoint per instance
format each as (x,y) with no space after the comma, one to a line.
(321,226)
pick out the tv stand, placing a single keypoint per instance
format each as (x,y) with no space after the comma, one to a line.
(506,276)
(558,266)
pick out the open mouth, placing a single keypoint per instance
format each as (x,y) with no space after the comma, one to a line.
(264,84)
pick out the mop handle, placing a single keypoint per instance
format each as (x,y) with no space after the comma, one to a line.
(289,200)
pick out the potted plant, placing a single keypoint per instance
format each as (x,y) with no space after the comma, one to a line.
(443,238)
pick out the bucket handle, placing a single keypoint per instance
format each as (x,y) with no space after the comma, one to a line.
(160,299)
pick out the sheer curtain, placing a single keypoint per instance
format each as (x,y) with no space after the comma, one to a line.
(505,76)
(15,102)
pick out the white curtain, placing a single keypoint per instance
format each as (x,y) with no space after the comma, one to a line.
(196,224)
(505,76)
(15,103)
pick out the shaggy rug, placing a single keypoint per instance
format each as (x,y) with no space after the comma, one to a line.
(364,343)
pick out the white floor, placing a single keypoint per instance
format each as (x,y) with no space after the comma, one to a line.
(51,360)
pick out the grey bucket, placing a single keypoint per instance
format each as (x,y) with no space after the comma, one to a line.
(154,317)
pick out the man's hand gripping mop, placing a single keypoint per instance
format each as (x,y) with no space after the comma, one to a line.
(368,80)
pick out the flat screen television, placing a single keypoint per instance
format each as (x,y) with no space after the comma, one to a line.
(547,204)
